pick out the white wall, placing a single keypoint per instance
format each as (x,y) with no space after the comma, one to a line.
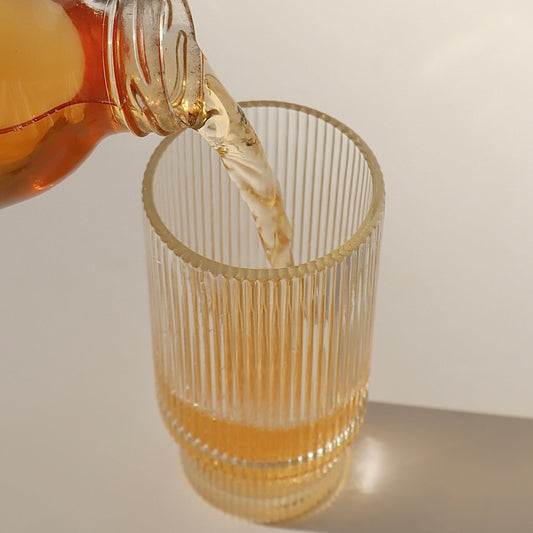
(442,92)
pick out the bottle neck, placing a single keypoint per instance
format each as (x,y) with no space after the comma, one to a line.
(155,68)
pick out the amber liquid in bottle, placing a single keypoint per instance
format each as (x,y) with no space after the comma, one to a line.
(54,106)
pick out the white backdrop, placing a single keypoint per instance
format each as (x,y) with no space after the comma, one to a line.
(441,91)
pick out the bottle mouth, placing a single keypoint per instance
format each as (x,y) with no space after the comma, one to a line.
(155,66)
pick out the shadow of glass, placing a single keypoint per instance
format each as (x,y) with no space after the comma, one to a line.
(420,470)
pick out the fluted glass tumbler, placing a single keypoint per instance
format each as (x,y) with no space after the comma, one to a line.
(262,373)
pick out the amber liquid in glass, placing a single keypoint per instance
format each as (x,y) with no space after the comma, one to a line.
(289,450)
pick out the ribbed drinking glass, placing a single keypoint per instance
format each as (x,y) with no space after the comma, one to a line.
(261,373)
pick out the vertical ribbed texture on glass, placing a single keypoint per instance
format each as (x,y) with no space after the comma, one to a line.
(262,374)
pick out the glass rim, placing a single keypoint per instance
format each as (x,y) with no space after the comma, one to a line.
(217,268)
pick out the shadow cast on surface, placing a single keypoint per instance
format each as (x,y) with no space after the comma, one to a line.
(420,470)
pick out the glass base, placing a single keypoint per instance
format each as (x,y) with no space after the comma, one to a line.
(268,500)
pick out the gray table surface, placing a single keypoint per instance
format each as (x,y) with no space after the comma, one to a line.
(426,470)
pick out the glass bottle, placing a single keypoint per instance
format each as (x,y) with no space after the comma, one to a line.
(74,71)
